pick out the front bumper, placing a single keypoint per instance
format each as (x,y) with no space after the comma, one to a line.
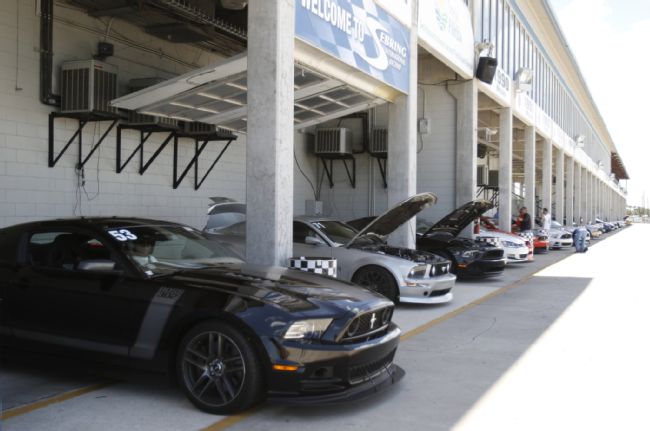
(332,372)
(482,268)
(561,243)
(517,255)
(434,290)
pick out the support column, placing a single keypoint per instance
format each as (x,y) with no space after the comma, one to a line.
(547,174)
(583,195)
(529,169)
(569,192)
(269,146)
(587,190)
(466,95)
(505,169)
(402,152)
(559,186)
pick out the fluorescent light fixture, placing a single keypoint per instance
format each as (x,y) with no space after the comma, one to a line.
(524,79)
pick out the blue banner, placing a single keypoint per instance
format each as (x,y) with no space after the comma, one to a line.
(359,33)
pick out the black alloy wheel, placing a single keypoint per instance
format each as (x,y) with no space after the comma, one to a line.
(218,368)
(379,280)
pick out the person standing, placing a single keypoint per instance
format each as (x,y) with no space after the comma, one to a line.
(546,220)
(524,222)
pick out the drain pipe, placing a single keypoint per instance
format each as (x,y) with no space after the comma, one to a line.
(47,27)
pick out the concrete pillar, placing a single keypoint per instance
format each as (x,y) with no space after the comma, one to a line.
(583,193)
(559,186)
(547,174)
(269,146)
(466,95)
(569,192)
(529,169)
(587,189)
(402,151)
(505,169)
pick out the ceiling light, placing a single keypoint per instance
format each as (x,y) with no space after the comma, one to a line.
(580,141)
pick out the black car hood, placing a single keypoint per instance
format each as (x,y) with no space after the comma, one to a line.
(460,218)
(388,222)
(293,290)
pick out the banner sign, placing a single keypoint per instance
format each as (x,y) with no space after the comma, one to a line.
(400,9)
(525,107)
(500,89)
(359,33)
(445,29)
(545,124)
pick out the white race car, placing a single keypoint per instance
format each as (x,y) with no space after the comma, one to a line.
(515,247)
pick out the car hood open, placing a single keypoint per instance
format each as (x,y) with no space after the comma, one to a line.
(460,218)
(388,222)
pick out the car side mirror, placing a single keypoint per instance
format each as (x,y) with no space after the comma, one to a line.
(97,265)
(314,240)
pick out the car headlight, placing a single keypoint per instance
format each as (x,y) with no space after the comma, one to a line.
(418,271)
(307,329)
(511,244)
(470,254)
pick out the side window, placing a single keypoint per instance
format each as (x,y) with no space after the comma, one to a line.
(64,250)
(302,231)
(9,245)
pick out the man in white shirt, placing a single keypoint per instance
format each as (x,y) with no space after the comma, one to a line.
(546,220)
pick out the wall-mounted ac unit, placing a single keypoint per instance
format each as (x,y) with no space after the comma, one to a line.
(333,142)
(481,175)
(136,119)
(198,128)
(88,86)
(493,178)
(379,143)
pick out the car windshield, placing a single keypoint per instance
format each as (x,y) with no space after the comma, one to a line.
(341,233)
(556,225)
(161,250)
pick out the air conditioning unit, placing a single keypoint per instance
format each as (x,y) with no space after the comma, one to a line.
(493,178)
(379,143)
(88,86)
(333,142)
(481,175)
(136,119)
(198,128)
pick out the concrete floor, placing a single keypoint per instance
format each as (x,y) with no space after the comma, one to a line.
(554,344)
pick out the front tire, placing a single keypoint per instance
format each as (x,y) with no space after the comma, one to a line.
(378,280)
(218,368)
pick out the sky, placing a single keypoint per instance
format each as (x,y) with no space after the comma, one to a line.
(611,42)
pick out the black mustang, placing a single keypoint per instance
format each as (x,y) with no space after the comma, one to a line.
(164,294)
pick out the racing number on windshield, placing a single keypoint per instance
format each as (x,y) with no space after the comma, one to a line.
(122,235)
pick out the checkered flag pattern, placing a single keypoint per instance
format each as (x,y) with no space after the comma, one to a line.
(528,235)
(489,240)
(316,265)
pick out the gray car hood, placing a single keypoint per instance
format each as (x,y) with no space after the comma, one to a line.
(388,222)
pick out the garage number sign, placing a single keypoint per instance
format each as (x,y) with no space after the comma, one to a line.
(359,33)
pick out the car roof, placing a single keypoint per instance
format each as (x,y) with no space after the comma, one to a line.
(93,221)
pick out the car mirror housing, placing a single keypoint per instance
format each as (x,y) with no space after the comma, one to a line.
(313,240)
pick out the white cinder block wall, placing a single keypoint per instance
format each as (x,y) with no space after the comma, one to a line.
(29,190)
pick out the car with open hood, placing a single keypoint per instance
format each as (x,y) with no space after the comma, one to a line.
(469,258)
(364,257)
(164,296)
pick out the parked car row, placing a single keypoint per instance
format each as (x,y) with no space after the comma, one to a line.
(166,296)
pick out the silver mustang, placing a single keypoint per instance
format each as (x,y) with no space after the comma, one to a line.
(363,257)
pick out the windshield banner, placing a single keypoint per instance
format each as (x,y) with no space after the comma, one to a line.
(359,33)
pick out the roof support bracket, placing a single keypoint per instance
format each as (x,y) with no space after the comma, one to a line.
(145,133)
(194,162)
(381,162)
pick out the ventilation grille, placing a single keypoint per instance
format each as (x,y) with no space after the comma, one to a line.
(379,142)
(333,142)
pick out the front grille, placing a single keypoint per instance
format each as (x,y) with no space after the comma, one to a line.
(361,372)
(368,325)
(493,254)
(523,256)
(440,292)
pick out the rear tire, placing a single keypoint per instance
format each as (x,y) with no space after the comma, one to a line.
(218,368)
(378,280)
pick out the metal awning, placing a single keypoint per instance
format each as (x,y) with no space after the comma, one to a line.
(217,94)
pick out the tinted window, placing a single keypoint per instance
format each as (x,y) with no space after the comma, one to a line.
(302,231)
(336,231)
(9,245)
(64,249)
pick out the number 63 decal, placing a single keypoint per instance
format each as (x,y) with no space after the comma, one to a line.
(122,235)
